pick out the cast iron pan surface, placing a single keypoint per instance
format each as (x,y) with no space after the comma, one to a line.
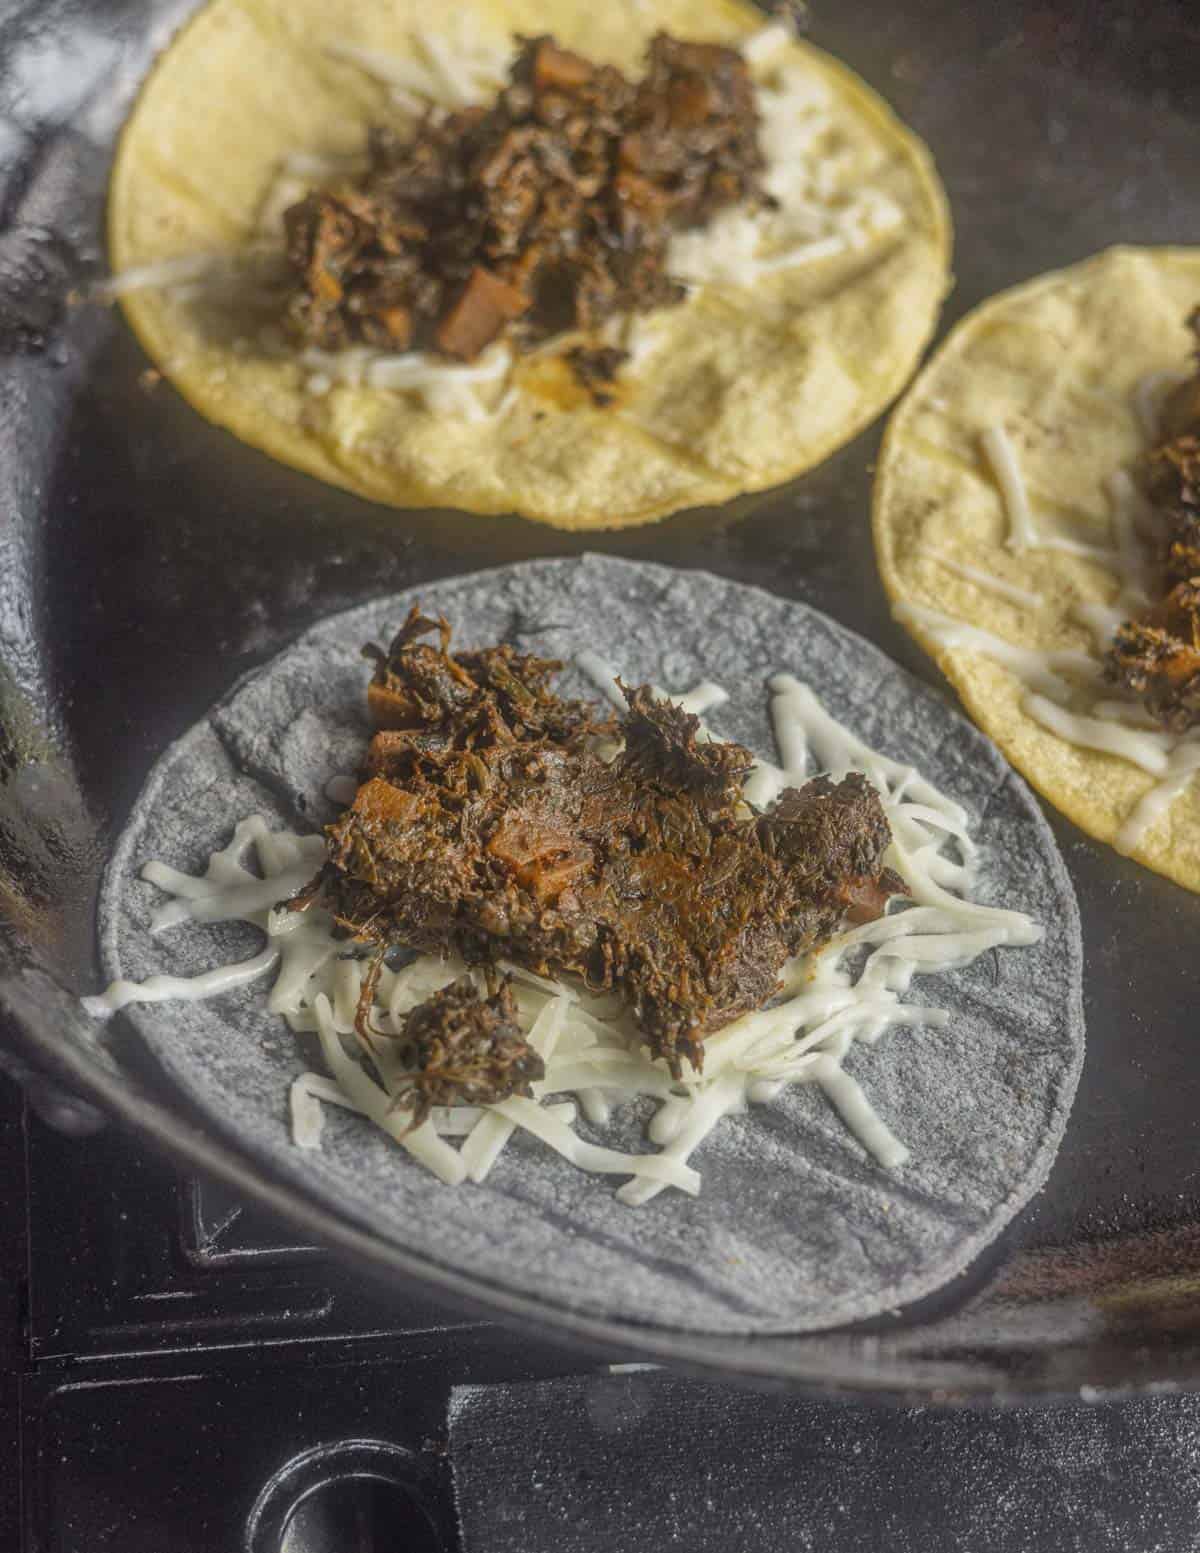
(146,560)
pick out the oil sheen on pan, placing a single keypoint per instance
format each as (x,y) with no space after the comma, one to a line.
(796,1226)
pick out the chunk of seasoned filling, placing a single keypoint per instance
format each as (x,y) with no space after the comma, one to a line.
(1157,658)
(549,211)
(596,368)
(464,1047)
(491,825)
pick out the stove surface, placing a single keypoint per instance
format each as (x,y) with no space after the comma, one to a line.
(178,1376)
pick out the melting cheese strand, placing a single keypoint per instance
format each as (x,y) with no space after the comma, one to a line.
(445,387)
(240,904)
(763,47)
(1153,806)
(1129,511)
(459,71)
(1023,532)
(791,736)
(858,1114)
(725,1095)
(839,750)
(1148,751)
(663,1126)
(184,989)
(421,1142)
(309,1090)
(925,815)
(789,1058)
(626,1073)
(1131,712)
(764,784)
(459,1121)
(590,1156)
(602,675)
(483,1148)
(1005,590)
(303,955)
(308,1120)
(1102,620)
(390,70)
(927,892)
(1040,669)
(1112,729)
(1002,461)
(595,1105)
(167,273)
(705,698)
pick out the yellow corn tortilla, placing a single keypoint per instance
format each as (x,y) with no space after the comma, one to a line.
(1055,363)
(750,387)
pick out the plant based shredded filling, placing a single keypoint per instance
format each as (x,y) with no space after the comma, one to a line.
(461,1048)
(547,213)
(1157,658)
(495,822)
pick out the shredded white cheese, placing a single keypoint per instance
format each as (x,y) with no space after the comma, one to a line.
(590,1049)
(456,69)
(1025,597)
(816,216)
(1063,689)
(761,49)
(471,392)
(1149,751)
(1042,669)
(1150,394)
(1023,532)
(251,274)
(1154,806)
(1002,460)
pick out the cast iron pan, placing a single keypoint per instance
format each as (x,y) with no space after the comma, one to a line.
(147,559)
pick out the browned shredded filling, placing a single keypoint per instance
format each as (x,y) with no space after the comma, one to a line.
(596,369)
(1158,656)
(465,1049)
(490,824)
(547,212)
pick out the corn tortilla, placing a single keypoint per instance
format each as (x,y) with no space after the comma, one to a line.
(1055,363)
(751,385)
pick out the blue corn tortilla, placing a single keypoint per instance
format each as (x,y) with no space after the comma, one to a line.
(796,1228)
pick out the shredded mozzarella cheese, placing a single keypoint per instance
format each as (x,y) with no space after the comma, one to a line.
(588,1046)
(1002,460)
(1149,396)
(456,69)
(1025,597)
(813,218)
(470,392)
(1056,681)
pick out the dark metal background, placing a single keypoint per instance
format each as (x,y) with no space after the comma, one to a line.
(147,559)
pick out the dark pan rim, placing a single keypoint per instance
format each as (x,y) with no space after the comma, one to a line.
(755,1362)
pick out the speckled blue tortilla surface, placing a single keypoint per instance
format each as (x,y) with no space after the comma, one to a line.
(796,1228)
